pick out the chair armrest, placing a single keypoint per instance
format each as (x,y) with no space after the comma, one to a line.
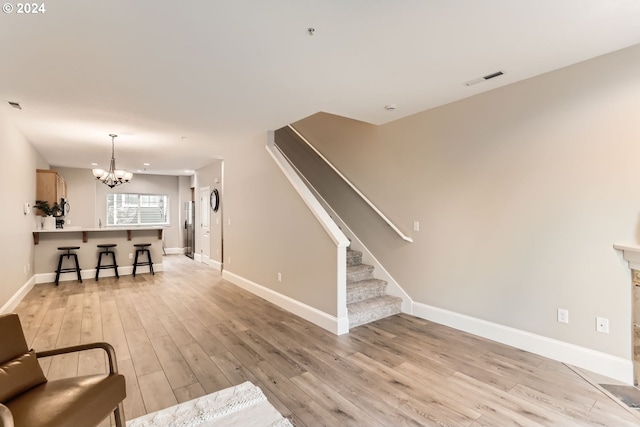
(108,348)
(6,419)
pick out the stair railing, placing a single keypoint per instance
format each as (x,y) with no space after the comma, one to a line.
(354,188)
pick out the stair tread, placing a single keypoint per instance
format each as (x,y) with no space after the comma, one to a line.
(372,303)
(359,267)
(365,284)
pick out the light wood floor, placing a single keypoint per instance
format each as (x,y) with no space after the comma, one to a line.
(186,332)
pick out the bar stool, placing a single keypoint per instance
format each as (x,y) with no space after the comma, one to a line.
(107,251)
(68,255)
(141,249)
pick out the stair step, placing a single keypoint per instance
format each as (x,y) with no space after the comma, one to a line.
(356,273)
(365,289)
(354,257)
(373,309)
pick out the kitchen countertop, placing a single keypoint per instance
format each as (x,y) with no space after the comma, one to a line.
(118,228)
(85,231)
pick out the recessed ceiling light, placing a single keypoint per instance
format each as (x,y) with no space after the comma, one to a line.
(390,107)
(146,164)
(15,105)
(94,164)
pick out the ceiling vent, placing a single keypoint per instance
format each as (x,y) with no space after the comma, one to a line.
(484,78)
(15,105)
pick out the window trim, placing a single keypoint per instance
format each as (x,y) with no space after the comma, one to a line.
(166,212)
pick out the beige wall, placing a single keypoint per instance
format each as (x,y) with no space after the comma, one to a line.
(520,194)
(18,163)
(272,230)
(81,194)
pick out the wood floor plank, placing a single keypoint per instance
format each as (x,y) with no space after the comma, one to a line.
(343,410)
(156,391)
(144,357)
(133,404)
(184,332)
(208,374)
(178,372)
(112,329)
(189,392)
(128,313)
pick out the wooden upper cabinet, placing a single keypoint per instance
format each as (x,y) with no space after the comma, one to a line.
(50,186)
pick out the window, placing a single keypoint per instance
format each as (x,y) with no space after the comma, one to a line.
(137,209)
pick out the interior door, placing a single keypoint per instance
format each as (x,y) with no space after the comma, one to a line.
(205,228)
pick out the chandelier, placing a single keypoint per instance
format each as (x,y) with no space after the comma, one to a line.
(113,176)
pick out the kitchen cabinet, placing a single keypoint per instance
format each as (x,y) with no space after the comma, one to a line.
(50,186)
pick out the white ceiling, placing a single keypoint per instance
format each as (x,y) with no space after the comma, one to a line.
(214,71)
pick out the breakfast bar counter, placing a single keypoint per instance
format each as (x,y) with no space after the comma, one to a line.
(47,242)
(85,231)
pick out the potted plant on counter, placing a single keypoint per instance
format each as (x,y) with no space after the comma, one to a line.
(47,211)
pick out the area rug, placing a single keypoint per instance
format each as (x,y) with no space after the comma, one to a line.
(242,405)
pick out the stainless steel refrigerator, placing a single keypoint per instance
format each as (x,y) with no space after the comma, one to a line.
(189,230)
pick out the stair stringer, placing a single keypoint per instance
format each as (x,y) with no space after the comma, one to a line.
(393,288)
(340,323)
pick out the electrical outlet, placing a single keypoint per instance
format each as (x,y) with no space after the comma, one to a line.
(563,315)
(602,325)
(130,256)
(416,225)
(229,260)
(279,277)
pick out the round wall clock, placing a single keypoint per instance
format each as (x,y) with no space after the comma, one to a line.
(214,200)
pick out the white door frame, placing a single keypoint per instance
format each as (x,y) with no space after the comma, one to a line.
(205,225)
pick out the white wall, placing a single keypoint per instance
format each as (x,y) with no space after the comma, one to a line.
(210,176)
(18,164)
(520,194)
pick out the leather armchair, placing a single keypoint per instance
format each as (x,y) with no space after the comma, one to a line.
(28,399)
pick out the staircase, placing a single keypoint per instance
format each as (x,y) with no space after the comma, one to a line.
(367,300)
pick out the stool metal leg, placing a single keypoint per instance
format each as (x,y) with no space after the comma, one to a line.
(115,265)
(58,269)
(99,263)
(150,263)
(135,263)
(75,256)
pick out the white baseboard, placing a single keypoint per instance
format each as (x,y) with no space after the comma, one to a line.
(313,315)
(174,251)
(206,260)
(582,357)
(13,302)
(90,273)
(217,265)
